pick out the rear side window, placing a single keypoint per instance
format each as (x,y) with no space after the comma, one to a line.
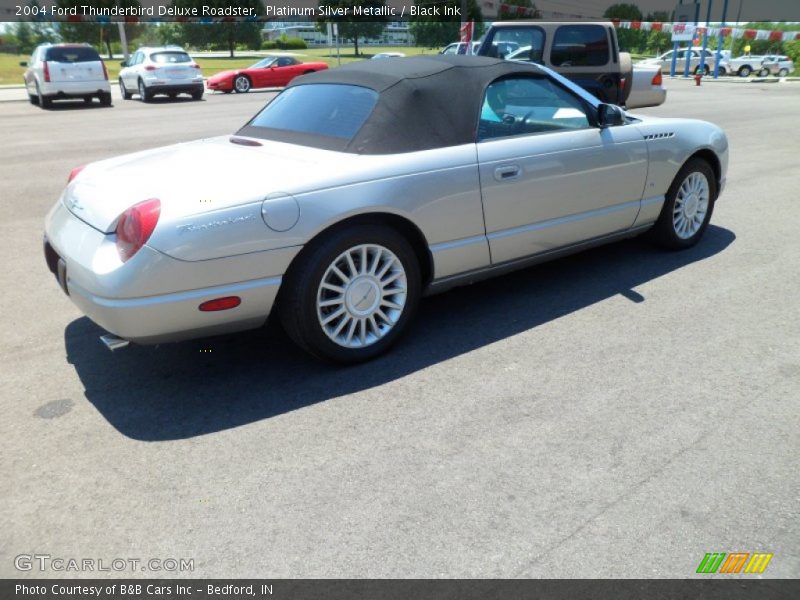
(76,54)
(331,110)
(167,58)
(580,46)
(525,43)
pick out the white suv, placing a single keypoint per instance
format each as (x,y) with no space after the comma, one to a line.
(60,71)
(169,71)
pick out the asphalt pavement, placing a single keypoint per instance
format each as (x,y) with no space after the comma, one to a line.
(618,413)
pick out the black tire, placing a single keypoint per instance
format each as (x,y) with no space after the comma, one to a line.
(297,302)
(44,101)
(745,71)
(705,70)
(664,231)
(763,72)
(197,95)
(126,95)
(33,99)
(242,84)
(144,94)
(783,72)
(105,99)
(87,100)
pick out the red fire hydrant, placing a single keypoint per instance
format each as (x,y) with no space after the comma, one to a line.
(698,78)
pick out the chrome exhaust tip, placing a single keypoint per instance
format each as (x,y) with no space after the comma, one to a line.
(113,342)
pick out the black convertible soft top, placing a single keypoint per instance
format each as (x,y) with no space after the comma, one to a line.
(423,102)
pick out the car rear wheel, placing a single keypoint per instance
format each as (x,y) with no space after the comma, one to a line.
(241,84)
(352,294)
(745,71)
(126,95)
(144,95)
(44,101)
(688,206)
(783,72)
(705,70)
(105,99)
(197,95)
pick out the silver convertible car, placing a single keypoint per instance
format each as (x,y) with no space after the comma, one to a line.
(359,189)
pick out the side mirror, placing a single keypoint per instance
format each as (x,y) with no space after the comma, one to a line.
(24,63)
(609,115)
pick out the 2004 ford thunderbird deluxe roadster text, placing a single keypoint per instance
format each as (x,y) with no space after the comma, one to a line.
(358,189)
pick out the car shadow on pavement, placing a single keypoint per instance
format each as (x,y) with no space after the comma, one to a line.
(177,391)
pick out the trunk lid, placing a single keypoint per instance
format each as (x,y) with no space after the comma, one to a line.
(192,178)
(74,63)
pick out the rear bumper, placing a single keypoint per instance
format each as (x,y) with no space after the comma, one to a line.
(153,298)
(74,89)
(167,87)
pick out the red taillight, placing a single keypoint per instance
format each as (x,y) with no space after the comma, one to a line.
(74,173)
(46,71)
(657,79)
(105,71)
(150,68)
(220,303)
(135,227)
(194,66)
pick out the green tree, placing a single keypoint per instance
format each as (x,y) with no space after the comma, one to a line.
(23,34)
(630,40)
(224,35)
(352,29)
(433,32)
(511,13)
(100,35)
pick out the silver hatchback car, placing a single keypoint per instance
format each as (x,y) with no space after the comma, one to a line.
(166,71)
(357,190)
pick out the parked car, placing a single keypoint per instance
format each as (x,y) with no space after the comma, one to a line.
(359,189)
(66,71)
(166,71)
(775,64)
(273,71)
(586,53)
(665,61)
(460,48)
(744,66)
(382,55)
(648,87)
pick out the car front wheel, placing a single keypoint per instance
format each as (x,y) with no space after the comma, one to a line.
(745,71)
(126,95)
(688,206)
(352,294)
(143,93)
(241,84)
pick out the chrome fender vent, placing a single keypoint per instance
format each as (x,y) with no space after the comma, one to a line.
(659,136)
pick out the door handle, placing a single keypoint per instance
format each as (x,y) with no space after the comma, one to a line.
(506,172)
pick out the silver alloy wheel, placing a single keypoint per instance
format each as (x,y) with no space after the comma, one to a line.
(691,205)
(241,83)
(361,296)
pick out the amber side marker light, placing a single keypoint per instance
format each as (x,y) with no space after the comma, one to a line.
(225,303)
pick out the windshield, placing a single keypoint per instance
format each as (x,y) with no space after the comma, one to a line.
(72,54)
(263,64)
(168,58)
(323,109)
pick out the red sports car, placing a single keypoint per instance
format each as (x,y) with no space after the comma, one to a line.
(273,71)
